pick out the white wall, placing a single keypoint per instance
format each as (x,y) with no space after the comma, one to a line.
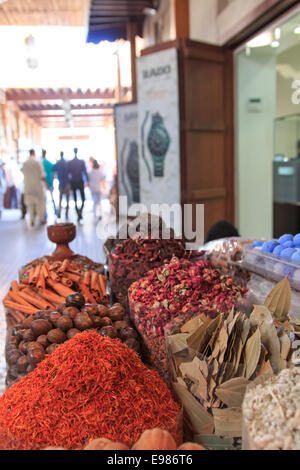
(203,24)
(256,78)
(165,18)
(208,26)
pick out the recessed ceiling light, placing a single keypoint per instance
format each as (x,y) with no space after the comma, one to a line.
(261,40)
(297,30)
(275,44)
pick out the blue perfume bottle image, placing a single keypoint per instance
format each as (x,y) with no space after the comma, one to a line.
(132,169)
(158,142)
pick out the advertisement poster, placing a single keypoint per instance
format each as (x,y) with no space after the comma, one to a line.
(126,122)
(158,124)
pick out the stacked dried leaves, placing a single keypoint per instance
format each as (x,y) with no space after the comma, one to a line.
(214,360)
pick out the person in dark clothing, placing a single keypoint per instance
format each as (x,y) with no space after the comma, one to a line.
(60,169)
(222,229)
(77,176)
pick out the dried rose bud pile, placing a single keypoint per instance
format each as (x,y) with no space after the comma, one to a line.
(181,286)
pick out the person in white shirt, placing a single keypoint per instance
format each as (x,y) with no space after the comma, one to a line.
(96,177)
(34,188)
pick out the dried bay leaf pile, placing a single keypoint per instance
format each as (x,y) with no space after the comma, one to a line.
(213,360)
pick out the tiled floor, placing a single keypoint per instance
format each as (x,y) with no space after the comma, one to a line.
(18,246)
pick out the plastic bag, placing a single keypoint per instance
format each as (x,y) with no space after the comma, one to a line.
(227,255)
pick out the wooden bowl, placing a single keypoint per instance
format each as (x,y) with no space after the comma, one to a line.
(62,234)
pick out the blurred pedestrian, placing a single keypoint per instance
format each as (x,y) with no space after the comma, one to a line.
(60,169)
(11,177)
(96,178)
(2,187)
(48,169)
(77,176)
(34,194)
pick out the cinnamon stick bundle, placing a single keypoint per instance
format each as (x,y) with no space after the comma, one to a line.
(45,271)
(87,294)
(66,281)
(19,307)
(14,297)
(32,299)
(41,281)
(94,282)
(52,297)
(14,286)
(16,316)
(64,266)
(73,277)
(54,276)
(30,276)
(87,278)
(62,290)
(102,283)
(36,273)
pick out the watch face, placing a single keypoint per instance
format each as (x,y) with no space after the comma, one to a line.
(158,137)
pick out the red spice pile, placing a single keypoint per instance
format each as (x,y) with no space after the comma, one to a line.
(134,257)
(89,387)
(178,288)
(149,249)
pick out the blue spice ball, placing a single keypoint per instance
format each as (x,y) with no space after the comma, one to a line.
(297,239)
(287,253)
(269,246)
(287,237)
(257,243)
(296,256)
(289,244)
(278,249)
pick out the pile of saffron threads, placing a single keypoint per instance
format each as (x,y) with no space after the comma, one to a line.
(89,387)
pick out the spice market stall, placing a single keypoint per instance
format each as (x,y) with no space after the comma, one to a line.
(159,350)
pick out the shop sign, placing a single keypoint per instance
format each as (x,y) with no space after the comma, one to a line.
(159,128)
(126,123)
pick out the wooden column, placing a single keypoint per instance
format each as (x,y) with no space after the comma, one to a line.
(182,18)
(118,89)
(131,35)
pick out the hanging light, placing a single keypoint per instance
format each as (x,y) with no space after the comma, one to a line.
(277,34)
(32,61)
(151,11)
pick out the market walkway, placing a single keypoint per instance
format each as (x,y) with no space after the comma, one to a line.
(20,246)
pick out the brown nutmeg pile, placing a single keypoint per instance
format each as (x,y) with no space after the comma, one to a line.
(40,334)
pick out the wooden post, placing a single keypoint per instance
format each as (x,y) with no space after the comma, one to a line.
(131,35)
(118,90)
(182,18)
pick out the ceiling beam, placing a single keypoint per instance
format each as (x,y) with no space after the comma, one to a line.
(42,95)
(84,123)
(62,116)
(30,108)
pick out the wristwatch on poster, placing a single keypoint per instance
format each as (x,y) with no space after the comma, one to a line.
(132,169)
(158,144)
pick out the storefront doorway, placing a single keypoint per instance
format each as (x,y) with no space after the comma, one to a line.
(267,103)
